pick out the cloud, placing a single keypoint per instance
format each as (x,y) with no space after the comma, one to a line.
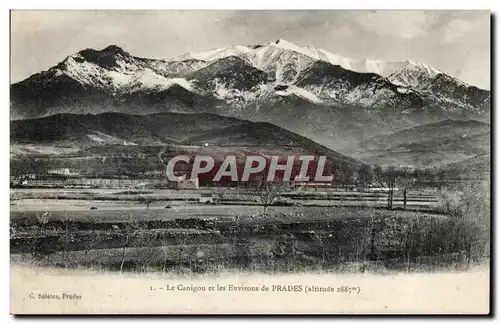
(401,24)
(461,26)
(457,42)
(456,28)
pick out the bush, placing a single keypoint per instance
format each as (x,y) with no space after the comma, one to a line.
(468,206)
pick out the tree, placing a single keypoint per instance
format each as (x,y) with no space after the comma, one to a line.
(377,172)
(348,172)
(475,212)
(469,210)
(441,178)
(90,241)
(146,199)
(449,199)
(67,236)
(268,191)
(36,248)
(131,229)
(365,174)
(390,175)
(405,181)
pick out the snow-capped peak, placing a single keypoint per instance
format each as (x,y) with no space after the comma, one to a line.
(112,66)
(216,54)
(118,73)
(263,56)
(218,79)
(284,44)
(423,67)
(314,53)
(413,74)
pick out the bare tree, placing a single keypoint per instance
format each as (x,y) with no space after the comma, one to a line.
(475,212)
(268,191)
(146,199)
(67,236)
(365,174)
(390,175)
(348,174)
(90,241)
(39,233)
(181,246)
(398,178)
(449,199)
(441,176)
(377,172)
(130,230)
(468,206)
(405,181)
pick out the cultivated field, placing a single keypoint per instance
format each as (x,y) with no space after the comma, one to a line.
(170,231)
(37,199)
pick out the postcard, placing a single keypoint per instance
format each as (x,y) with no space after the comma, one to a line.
(250,162)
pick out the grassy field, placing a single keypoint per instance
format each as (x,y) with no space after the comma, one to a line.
(35,199)
(116,230)
(346,239)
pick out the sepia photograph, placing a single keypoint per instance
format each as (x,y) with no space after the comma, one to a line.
(250,162)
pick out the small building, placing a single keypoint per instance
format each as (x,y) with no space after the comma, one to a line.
(142,185)
(62,172)
(208,198)
(188,184)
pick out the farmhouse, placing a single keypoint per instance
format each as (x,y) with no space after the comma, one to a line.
(63,172)
(187,184)
(208,198)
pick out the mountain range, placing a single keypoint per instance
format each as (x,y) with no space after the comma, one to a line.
(335,101)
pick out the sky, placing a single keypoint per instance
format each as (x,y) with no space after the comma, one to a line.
(455,42)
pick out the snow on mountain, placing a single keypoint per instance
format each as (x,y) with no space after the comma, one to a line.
(174,68)
(224,91)
(262,56)
(103,138)
(89,73)
(413,74)
(323,96)
(284,44)
(237,80)
(302,93)
(216,54)
(120,73)
(333,84)
(283,64)
(311,52)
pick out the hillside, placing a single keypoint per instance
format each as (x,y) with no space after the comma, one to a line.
(428,145)
(115,128)
(476,167)
(120,144)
